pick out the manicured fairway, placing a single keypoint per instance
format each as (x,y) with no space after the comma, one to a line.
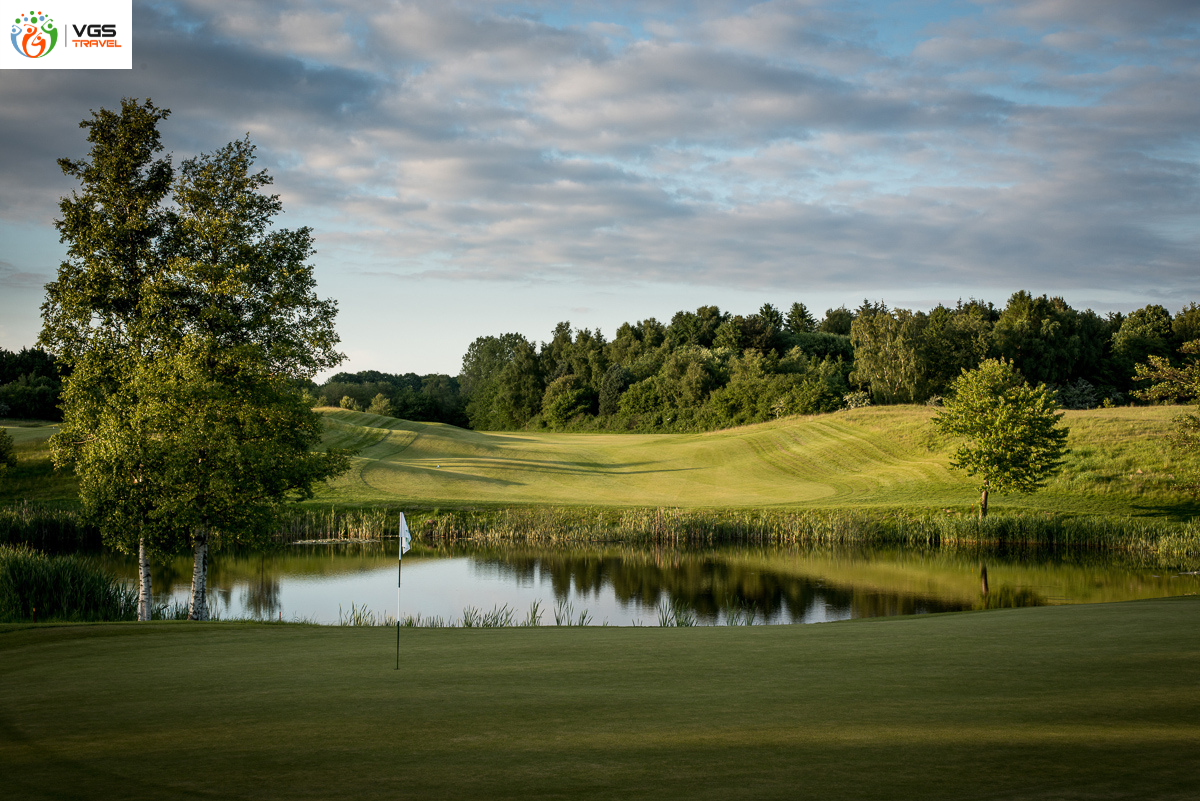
(882,457)
(1083,702)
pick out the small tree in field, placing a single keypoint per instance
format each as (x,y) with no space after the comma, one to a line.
(1013,439)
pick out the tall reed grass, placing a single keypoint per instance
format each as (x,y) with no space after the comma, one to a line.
(46,529)
(1161,540)
(38,587)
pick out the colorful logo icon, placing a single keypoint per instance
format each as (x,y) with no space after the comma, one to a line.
(34,34)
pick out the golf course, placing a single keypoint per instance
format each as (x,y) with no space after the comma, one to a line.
(1081,701)
(877,458)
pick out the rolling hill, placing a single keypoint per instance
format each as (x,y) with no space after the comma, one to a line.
(876,457)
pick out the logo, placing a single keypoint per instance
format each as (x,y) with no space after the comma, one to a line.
(34,34)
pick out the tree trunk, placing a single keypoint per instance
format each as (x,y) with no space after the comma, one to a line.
(983,503)
(983,579)
(198,606)
(144,595)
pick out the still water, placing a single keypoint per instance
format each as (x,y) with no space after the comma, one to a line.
(624,586)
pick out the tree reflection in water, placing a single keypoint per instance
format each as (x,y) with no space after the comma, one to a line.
(715,589)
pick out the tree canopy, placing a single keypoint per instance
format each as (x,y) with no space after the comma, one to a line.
(1011,433)
(188,328)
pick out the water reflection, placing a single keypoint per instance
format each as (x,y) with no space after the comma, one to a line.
(628,586)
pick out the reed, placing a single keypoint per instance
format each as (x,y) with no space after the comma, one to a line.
(46,528)
(319,525)
(37,587)
(1160,540)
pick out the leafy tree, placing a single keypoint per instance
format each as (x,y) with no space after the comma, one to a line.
(1144,333)
(1178,383)
(380,404)
(567,397)
(889,354)
(1040,336)
(520,387)
(349,404)
(246,329)
(1185,326)
(101,318)
(483,363)
(1014,439)
(698,329)
(616,380)
(837,321)
(188,333)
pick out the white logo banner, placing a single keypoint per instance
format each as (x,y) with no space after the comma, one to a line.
(68,35)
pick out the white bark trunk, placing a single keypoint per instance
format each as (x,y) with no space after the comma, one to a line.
(144,595)
(198,606)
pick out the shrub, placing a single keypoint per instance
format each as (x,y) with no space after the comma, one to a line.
(350,403)
(856,400)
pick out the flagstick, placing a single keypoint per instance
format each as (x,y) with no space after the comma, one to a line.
(403,540)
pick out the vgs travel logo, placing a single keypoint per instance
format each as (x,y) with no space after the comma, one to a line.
(71,35)
(34,34)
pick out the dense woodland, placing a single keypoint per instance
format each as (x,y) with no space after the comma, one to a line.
(710,369)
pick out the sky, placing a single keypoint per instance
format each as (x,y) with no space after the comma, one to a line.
(473,168)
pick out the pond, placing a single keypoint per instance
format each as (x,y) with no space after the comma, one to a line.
(629,586)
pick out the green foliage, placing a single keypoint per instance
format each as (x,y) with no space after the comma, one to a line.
(350,404)
(34,586)
(800,320)
(1040,337)
(46,529)
(29,385)
(837,321)
(381,404)
(1181,384)
(187,330)
(1013,437)
(8,456)
(1144,333)
(566,398)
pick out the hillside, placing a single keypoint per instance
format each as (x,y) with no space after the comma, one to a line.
(878,457)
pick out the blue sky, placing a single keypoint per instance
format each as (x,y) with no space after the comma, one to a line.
(475,168)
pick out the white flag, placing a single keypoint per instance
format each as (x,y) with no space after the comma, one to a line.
(405,536)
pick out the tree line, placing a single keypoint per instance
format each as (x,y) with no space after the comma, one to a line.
(711,369)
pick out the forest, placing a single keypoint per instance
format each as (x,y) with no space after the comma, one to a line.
(710,369)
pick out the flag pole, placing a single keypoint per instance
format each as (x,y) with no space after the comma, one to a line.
(400,564)
(403,540)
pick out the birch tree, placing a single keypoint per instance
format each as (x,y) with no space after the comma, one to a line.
(249,328)
(100,314)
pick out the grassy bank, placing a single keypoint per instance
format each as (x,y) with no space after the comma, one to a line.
(884,458)
(1066,702)
(880,458)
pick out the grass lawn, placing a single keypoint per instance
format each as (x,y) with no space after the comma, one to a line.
(882,457)
(1081,702)
(875,458)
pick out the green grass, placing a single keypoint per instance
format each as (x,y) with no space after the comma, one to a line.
(34,477)
(1081,702)
(869,458)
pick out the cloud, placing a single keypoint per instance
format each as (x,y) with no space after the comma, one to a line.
(13,278)
(781,144)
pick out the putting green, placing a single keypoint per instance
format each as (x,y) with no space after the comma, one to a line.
(1080,702)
